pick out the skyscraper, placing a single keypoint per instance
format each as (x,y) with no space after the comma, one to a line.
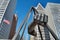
(44,31)
(53,12)
(13,27)
(6,16)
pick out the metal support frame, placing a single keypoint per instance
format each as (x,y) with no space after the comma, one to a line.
(25,20)
(40,32)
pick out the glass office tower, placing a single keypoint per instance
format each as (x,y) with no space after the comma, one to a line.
(6,16)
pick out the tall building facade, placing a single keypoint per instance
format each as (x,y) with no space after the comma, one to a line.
(53,11)
(44,31)
(6,16)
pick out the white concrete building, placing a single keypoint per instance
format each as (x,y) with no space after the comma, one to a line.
(53,12)
(45,33)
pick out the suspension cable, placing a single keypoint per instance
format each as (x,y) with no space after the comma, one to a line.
(40,32)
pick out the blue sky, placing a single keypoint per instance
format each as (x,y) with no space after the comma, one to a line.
(23,6)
